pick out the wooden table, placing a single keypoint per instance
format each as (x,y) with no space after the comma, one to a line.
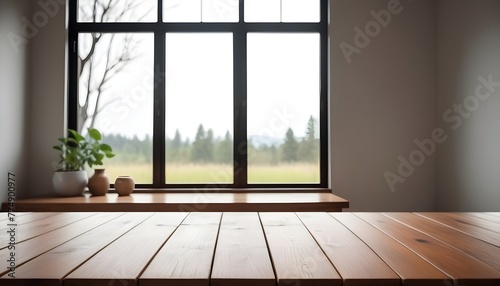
(264,249)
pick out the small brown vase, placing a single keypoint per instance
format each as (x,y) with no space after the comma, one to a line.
(124,185)
(98,183)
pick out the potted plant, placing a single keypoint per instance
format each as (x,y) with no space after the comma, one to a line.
(77,151)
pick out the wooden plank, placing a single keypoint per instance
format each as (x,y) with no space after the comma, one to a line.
(28,218)
(463,268)
(32,229)
(31,248)
(354,260)
(280,219)
(474,220)
(296,256)
(486,216)
(124,259)
(241,257)
(479,249)
(17,224)
(68,256)
(5,215)
(212,201)
(413,270)
(467,228)
(186,258)
(200,219)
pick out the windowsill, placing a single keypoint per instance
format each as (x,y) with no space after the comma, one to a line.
(213,201)
(210,190)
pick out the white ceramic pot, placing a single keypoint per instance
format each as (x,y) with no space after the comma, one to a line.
(70,184)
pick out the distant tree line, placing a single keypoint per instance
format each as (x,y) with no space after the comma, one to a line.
(205,148)
(130,150)
(209,149)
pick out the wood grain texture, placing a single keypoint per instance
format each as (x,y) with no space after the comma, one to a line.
(202,219)
(296,256)
(479,249)
(52,266)
(18,222)
(4,216)
(34,247)
(486,216)
(124,259)
(413,270)
(21,220)
(463,268)
(240,249)
(354,260)
(241,257)
(191,202)
(465,227)
(38,227)
(474,220)
(186,258)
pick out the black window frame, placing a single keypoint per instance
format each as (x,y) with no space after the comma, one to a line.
(239,30)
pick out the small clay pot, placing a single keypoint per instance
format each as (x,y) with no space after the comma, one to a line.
(98,183)
(124,185)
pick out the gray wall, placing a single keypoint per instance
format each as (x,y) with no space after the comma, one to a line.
(47,102)
(32,93)
(469,162)
(14,94)
(382,101)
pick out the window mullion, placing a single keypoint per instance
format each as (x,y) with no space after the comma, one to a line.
(72,67)
(160,11)
(324,102)
(240,103)
(159,111)
(240,110)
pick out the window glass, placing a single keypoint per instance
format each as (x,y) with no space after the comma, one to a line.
(262,11)
(199,108)
(283,108)
(175,86)
(182,10)
(117,11)
(220,10)
(300,11)
(115,95)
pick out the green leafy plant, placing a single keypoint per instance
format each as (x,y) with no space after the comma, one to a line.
(78,151)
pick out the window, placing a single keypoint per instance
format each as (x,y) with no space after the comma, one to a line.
(204,93)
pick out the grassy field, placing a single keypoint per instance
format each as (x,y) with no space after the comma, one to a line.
(212,173)
(289,173)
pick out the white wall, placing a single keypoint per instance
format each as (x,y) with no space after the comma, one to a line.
(469,162)
(47,102)
(382,101)
(14,93)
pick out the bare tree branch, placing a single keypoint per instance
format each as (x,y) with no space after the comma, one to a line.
(114,63)
(99,88)
(94,14)
(105,9)
(95,40)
